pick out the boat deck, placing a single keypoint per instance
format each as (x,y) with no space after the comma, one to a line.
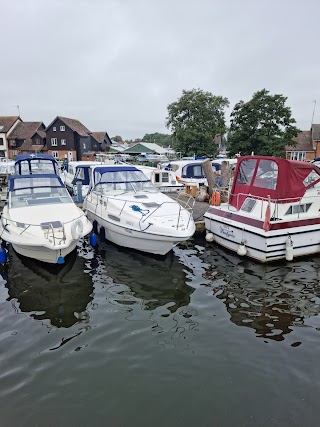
(199,209)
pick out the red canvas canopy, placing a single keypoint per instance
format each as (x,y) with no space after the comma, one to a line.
(266,176)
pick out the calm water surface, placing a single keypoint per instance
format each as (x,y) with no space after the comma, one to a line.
(197,338)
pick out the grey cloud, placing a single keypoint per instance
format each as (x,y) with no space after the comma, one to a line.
(116,65)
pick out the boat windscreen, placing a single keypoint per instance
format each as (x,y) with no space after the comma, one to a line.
(35,166)
(34,181)
(120,176)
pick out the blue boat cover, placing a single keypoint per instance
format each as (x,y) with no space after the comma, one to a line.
(118,174)
(21,157)
(117,168)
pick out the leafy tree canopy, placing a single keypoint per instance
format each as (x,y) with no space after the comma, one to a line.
(117,138)
(262,125)
(195,119)
(158,138)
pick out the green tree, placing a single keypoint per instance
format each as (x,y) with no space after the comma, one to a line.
(195,119)
(117,138)
(262,125)
(158,138)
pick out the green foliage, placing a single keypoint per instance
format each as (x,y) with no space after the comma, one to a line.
(159,138)
(195,119)
(117,138)
(262,125)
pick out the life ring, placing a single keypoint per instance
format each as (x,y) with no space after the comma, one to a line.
(215,198)
(77,229)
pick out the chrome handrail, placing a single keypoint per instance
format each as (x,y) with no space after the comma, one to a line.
(147,215)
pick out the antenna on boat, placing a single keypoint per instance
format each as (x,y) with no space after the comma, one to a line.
(314,107)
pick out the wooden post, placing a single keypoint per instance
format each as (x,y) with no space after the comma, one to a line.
(226,174)
(210,175)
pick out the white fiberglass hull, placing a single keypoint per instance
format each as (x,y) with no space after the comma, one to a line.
(246,236)
(44,254)
(27,230)
(158,234)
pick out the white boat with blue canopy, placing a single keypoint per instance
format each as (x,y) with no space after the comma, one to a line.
(30,164)
(78,172)
(133,213)
(40,219)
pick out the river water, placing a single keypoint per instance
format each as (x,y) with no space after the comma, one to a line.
(200,337)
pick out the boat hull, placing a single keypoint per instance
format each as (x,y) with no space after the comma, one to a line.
(134,239)
(261,245)
(44,254)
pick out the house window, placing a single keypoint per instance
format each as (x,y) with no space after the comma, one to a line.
(62,128)
(54,129)
(37,141)
(54,142)
(55,154)
(1,141)
(63,142)
(12,143)
(298,155)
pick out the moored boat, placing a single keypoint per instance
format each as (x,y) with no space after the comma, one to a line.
(165,180)
(132,213)
(40,219)
(272,211)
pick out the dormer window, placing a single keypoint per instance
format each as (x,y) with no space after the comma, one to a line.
(62,128)
(54,129)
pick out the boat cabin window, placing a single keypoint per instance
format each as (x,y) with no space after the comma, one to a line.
(267,174)
(246,170)
(192,171)
(80,174)
(265,177)
(296,209)
(312,177)
(160,177)
(248,205)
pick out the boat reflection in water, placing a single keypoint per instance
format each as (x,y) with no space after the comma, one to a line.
(151,281)
(271,299)
(58,293)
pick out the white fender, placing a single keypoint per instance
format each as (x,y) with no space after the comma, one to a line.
(77,229)
(242,250)
(289,249)
(209,237)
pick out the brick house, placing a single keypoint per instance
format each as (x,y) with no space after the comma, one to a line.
(315,132)
(7,125)
(67,139)
(307,145)
(27,137)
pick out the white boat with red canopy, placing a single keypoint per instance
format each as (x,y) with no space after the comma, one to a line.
(272,211)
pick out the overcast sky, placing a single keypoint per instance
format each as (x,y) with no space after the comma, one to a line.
(115,65)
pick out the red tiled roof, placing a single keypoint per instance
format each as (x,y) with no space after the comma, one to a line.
(303,142)
(316,132)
